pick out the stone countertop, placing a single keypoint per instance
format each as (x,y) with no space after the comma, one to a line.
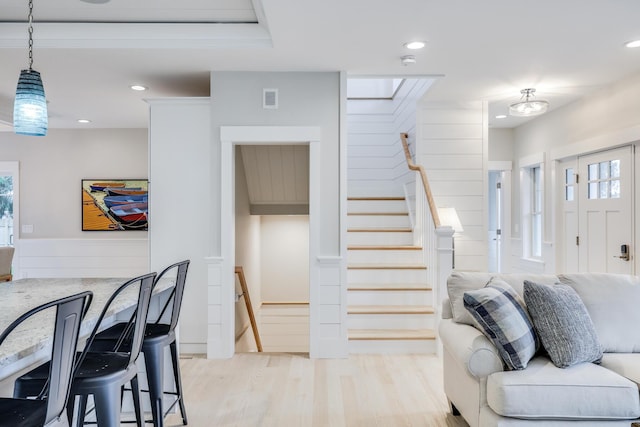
(18,296)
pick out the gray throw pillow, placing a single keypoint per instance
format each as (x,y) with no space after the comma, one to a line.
(501,316)
(562,323)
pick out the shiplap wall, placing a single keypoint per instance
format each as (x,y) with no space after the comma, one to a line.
(376,161)
(83,257)
(452,146)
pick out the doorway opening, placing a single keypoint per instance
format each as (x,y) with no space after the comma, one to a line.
(499,217)
(272,248)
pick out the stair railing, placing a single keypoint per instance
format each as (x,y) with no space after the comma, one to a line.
(247,301)
(437,240)
(425,182)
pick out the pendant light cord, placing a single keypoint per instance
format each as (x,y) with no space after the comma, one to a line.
(30,35)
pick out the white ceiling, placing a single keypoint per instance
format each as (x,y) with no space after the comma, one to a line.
(485,50)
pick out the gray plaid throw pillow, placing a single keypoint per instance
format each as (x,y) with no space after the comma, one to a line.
(502,317)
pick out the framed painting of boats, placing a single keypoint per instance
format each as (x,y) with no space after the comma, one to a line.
(115,204)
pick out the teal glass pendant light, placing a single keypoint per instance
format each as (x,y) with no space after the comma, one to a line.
(30,105)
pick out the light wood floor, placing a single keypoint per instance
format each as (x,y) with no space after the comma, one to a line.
(291,390)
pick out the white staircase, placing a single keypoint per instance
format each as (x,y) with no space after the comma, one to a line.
(390,302)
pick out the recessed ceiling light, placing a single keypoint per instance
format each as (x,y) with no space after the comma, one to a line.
(501,116)
(96,1)
(84,121)
(138,87)
(635,43)
(414,45)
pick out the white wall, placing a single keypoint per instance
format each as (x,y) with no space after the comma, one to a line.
(285,258)
(501,143)
(247,247)
(607,118)
(376,159)
(452,147)
(179,167)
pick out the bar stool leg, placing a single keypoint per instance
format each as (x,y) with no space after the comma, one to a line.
(178,380)
(154,363)
(108,406)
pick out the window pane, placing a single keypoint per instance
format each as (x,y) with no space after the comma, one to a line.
(615,189)
(568,176)
(615,168)
(536,236)
(593,172)
(604,170)
(593,190)
(604,190)
(569,193)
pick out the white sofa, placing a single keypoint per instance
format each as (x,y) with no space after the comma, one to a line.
(586,394)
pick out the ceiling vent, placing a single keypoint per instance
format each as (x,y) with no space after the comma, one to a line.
(270,98)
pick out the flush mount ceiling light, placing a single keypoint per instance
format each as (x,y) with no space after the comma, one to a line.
(30,104)
(414,45)
(528,107)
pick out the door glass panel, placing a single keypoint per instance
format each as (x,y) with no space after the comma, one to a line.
(593,190)
(569,193)
(604,190)
(615,168)
(568,182)
(593,172)
(604,170)
(615,189)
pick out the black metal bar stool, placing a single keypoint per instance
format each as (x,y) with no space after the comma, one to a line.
(103,373)
(48,409)
(158,335)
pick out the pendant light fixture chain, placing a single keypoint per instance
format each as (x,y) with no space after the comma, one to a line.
(30,34)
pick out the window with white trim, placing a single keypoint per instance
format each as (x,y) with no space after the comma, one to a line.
(535,214)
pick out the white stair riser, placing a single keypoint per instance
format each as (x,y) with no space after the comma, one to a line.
(387,276)
(392,346)
(390,321)
(378,221)
(376,256)
(390,298)
(376,206)
(380,238)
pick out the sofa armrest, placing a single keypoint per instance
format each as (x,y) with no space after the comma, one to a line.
(470,347)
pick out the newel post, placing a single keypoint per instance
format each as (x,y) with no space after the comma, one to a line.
(444,249)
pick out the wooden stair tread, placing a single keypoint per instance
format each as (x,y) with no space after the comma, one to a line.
(387,267)
(384,248)
(390,309)
(389,287)
(379,230)
(376,198)
(392,334)
(378,214)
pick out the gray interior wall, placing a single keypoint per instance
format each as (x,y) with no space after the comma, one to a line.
(51,170)
(501,144)
(305,99)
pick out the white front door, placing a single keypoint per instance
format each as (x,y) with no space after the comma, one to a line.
(605,211)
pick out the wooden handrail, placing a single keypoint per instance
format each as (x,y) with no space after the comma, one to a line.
(425,181)
(247,302)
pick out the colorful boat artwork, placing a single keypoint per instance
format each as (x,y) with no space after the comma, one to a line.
(130,212)
(125,191)
(110,201)
(100,186)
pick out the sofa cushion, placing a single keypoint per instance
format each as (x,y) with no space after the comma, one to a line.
(625,364)
(501,316)
(612,302)
(544,391)
(562,323)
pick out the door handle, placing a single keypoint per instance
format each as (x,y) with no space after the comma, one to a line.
(624,253)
